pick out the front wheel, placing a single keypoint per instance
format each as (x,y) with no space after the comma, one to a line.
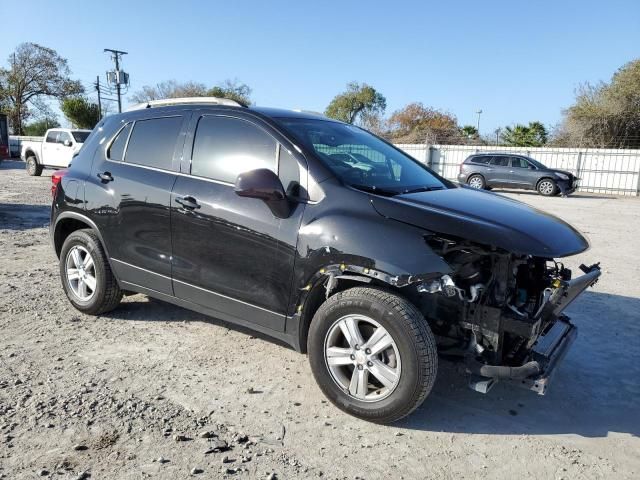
(33,167)
(547,187)
(372,354)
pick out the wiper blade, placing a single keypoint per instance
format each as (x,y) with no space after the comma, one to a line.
(423,189)
(376,190)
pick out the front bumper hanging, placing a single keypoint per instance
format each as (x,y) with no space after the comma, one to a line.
(548,350)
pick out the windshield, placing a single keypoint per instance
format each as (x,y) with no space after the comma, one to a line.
(80,137)
(362,160)
(537,164)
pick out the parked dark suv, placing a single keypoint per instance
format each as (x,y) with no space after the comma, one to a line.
(321,235)
(505,170)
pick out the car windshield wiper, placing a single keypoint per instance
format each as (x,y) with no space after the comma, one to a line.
(376,190)
(423,189)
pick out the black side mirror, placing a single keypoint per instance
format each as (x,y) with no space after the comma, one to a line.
(265,185)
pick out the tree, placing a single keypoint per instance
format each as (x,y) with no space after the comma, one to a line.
(416,123)
(607,114)
(233,89)
(169,89)
(469,131)
(532,135)
(80,112)
(359,103)
(39,127)
(35,73)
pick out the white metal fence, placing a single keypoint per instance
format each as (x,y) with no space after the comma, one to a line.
(608,171)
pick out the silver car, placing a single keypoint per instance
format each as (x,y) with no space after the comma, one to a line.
(506,170)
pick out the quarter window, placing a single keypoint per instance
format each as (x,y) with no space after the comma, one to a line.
(225,147)
(153,142)
(116,150)
(289,172)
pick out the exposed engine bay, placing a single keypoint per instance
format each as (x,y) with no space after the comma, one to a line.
(501,312)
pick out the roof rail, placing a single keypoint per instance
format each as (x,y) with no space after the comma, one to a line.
(185,100)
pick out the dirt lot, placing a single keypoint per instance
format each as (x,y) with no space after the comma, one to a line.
(133,393)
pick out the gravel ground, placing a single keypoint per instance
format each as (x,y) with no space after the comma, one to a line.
(152,390)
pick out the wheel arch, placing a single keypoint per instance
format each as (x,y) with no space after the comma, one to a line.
(68,222)
(325,283)
(29,152)
(545,177)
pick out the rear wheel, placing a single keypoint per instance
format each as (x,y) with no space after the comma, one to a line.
(477,181)
(33,167)
(86,276)
(547,187)
(372,354)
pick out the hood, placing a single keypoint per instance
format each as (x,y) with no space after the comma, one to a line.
(485,218)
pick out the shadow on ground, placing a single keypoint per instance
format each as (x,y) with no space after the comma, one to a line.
(594,392)
(572,195)
(18,216)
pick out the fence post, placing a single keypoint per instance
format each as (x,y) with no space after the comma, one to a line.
(429,159)
(579,169)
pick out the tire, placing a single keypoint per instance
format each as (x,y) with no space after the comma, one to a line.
(477,181)
(412,355)
(34,169)
(547,187)
(105,294)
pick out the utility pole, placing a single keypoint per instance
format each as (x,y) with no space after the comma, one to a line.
(117,77)
(479,112)
(498,130)
(97,85)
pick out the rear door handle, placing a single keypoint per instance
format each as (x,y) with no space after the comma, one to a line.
(105,177)
(188,202)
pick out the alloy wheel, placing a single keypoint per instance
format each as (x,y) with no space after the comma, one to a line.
(81,273)
(546,187)
(475,182)
(362,358)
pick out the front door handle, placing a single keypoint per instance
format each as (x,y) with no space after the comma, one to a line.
(188,202)
(105,177)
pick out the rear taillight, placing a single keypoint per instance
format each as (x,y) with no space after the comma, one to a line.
(56,178)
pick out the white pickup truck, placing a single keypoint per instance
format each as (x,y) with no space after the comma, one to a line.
(55,150)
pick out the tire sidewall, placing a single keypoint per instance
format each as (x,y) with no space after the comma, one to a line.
(553,192)
(484,183)
(86,241)
(32,166)
(410,377)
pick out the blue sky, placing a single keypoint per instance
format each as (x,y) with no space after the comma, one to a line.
(518,61)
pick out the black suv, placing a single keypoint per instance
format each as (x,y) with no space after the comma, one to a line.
(505,170)
(324,236)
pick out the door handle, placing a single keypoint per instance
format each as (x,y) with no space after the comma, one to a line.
(188,202)
(105,177)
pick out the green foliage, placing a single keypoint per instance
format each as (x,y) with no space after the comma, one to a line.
(34,73)
(359,103)
(532,135)
(39,127)
(232,89)
(80,112)
(469,131)
(607,114)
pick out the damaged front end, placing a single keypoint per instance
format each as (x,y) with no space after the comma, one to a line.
(502,312)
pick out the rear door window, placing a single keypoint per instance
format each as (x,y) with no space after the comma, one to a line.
(153,141)
(500,161)
(52,137)
(225,147)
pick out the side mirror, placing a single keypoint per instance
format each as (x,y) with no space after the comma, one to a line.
(264,185)
(67,143)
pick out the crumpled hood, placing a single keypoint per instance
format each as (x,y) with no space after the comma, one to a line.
(485,218)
